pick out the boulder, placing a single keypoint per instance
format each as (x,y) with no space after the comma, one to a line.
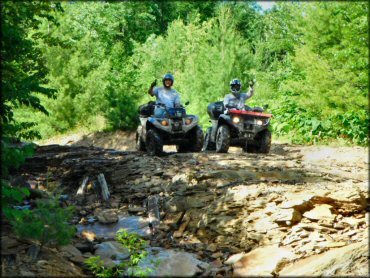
(70,251)
(320,212)
(112,250)
(351,260)
(107,216)
(287,215)
(261,261)
(171,263)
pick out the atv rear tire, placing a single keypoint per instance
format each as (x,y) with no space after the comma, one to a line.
(154,145)
(223,139)
(248,148)
(208,144)
(140,145)
(264,142)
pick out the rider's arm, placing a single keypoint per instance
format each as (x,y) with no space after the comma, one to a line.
(226,100)
(152,90)
(251,90)
(177,101)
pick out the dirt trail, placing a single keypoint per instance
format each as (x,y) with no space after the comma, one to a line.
(230,210)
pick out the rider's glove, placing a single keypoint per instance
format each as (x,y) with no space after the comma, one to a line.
(154,83)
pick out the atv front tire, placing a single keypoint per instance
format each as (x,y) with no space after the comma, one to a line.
(154,145)
(195,143)
(196,139)
(264,142)
(223,139)
(208,144)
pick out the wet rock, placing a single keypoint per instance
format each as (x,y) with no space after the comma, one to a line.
(84,246)
(89,235)
(261,261)
(112,250)
(107,216)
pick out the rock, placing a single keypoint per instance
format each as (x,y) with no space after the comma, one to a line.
(136,209)
(107,216)
(27,273)
(8,242)
(350,260)
(78,259)
(112,250)
(84,247)
(89,235)
(212,247)
(320,212)
(234,258)
(70,251)
(171,263)
(261,261)
(285,215)
(33,252)
(216,255)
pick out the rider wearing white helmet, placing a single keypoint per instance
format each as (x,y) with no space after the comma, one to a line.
(237,98)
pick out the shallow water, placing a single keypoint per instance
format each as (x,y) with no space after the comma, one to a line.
(133,224)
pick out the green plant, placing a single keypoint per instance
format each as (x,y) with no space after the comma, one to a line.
(136,246)
(46,223)
(11,196)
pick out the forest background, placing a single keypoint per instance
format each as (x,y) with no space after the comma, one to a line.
(87,65)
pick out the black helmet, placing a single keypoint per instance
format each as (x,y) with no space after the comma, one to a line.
(168,76)
(235,86)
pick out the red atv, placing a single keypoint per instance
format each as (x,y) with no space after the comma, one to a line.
(248,129)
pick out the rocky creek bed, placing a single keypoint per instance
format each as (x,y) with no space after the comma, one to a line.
(296,211)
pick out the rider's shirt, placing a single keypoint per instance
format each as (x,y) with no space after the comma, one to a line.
(168,97)
(238,103)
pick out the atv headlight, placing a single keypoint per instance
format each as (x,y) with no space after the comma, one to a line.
(259,122)
(188,121)
(236,120)
(164,123)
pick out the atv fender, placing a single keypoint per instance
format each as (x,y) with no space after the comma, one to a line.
(223,119)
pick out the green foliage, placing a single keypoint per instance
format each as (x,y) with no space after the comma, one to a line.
(136,246)
(46,223)
(107,53)
(11,196)
(12,156)
(23,68)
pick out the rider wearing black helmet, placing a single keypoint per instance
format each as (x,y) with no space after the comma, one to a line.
(237,98)
(165,95)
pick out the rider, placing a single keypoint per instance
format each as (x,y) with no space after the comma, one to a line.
(237,98)
(165,95)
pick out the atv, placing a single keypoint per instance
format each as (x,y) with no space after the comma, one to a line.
(240,128)
(175,128)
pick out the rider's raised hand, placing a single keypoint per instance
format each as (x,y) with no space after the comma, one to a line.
(154,83)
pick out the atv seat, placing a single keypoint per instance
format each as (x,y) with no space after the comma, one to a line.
(215,109)
(146,110)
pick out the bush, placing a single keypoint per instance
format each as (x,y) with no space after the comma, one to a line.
(47,223)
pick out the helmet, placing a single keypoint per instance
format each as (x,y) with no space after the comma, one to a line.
(235,86)
(168,76)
